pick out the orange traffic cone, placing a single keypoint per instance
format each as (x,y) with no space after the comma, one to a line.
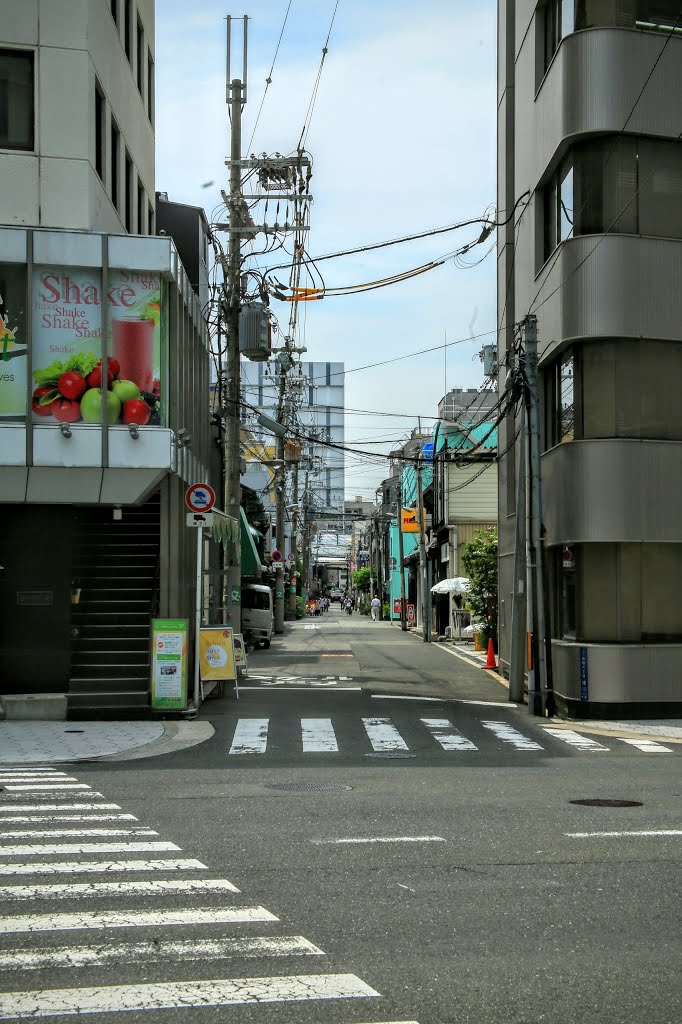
(490,660)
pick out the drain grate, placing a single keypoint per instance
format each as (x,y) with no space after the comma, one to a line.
(309,787)
(601,802)
(74,730)
(392,755)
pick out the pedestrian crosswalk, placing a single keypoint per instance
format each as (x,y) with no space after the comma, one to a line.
(370,735)
(154,897)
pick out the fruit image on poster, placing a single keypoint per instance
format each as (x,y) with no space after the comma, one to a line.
(137,344)
(13,349)
(69,385)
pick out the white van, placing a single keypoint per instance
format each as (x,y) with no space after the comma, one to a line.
(258,617)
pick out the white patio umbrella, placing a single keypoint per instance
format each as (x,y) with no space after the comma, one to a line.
(456,585)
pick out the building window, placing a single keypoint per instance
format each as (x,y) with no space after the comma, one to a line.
(140,57)
(16,99)
(140,207)
(556,19)
(621,184)
(150,219)
(99,130)
(129,192)
(150,86)
(115,157)
(114,10)
(128,30)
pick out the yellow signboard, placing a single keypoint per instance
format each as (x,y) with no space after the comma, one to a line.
(410,520)
(216,652)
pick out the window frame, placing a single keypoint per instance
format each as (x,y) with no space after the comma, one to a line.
(30,53)
(129,205)
(139,59)
(114,164)
(100,130)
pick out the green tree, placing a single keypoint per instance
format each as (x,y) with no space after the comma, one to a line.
(479,561)
(362,580)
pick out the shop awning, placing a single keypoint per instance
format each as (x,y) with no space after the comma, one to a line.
(226,532)
(250,561)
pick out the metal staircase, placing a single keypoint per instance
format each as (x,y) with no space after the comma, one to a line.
(116,568)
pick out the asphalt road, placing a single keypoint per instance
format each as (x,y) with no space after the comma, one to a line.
(456,882)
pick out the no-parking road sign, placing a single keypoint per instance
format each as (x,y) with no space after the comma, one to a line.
(200,498)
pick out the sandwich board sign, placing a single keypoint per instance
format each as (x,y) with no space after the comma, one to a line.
(169,664)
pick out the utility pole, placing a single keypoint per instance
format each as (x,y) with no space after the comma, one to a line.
(236,98)
(401,561)
(426,597)
(518,656)
(294,542)
(380,588)
(537,672)
(281,499)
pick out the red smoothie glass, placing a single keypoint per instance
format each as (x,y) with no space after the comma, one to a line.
(133,346)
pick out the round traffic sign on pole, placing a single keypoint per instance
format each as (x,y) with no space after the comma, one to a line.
(200,498)
(276,556)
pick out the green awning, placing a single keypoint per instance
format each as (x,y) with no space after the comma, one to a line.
(250,558)
(226,532)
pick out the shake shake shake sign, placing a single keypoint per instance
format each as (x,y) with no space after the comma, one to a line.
(69,383)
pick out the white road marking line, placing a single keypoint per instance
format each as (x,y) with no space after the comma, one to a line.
(131,919)
(445,733)
(401,696)
(6,776)
(383,735)
(13,808)
(139,952)
(250,736)
(94,890)
(648,746)
(336,689)
(169,995)
(107,867)
(574,739)
(15,818)
(379,839)
(318,735)
(618,835)
(59,832)
(64,848)
(507,734)
(444,700)
(35,786)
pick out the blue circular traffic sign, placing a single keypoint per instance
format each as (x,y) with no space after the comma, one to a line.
(200,497)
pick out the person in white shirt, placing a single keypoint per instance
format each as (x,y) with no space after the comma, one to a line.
(375,606)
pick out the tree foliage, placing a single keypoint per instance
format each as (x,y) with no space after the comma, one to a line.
(479,561)
(362,580)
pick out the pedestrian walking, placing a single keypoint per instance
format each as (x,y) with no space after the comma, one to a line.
(375,606)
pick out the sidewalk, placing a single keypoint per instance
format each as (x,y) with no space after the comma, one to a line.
(67,742)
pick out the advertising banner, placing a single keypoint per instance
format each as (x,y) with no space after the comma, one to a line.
(13,349)
(216,652)
(169,664)
(409,520)
(68,382)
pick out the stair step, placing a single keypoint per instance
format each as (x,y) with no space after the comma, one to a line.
(108,685)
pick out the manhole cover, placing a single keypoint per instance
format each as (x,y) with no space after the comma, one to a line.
(309,787)
(392,755)
(607,803)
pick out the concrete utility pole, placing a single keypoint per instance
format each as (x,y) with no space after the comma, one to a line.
(518,656)
(401,562)
(294,542)
(281,500)
(236,98)
(426,596)
(537,673)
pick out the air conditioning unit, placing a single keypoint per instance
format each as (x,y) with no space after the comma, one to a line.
(255,332)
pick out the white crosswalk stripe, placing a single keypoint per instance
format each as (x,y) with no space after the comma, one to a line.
(106,867)
(18,787)
(250,737)
(508,734)
(574,739)
(60,832)
(445,733)
(44,808)
(383,735)
(95,890)
(131,919)
(168,995)
(648,746)
(26,818)
(65,848)
(318,735)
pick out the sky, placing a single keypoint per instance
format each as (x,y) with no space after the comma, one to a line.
(403,140)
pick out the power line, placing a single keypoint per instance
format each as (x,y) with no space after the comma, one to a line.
(311,106)
(268,80)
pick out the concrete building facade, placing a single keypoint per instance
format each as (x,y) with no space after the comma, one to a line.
(589,116)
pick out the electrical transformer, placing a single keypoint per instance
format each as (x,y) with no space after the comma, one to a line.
(255,332)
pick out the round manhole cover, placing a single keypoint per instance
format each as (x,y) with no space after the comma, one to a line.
(602,802)
(392,755)
(309,787)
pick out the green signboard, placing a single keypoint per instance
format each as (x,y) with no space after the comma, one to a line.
(169,664)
